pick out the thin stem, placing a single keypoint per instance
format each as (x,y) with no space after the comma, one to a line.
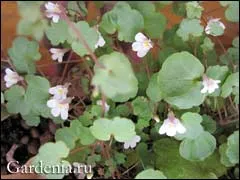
(103,104)
(56,63)
(79,36)
(65,67)
(235,108)
(130,168)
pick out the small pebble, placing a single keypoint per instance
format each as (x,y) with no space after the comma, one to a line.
(34,132)
(46,137)
(24,140)
(33,147)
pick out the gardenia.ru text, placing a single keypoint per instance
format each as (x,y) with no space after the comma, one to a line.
(50,169)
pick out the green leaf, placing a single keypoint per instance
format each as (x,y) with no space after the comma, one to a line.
(121,110)
(189,99)
(231,82)
(177,80)
(217,72)
(179,73)
(153,90)
(116,80)
(23,54)
(235,42)
(165,53)
(52,154)
(142,123)
(91,160)
(142,108)
(30,10)
(232,11)
(143,80)
(16,100)
(121,128)
(179,8)
(37,94)
(169,161)
(154,25)
(150,174)
(207,45)
(194,10)
(145,156)
(199,148)
(123,19)
(189,28)
(171,39)
(31,23)
(192,123)
(35,29)
(58,33)
(77,6)
(224,159)
(88,33)
(75,132)
(31,119)
(209,124)
(232,151)
(120,158)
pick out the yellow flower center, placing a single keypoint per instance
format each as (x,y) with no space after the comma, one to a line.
(60,91)
(56,9)
(147,44)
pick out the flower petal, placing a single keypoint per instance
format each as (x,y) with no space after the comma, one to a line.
(64,114)
(140,37)
(136,46)
(55,112)
(52,90)
(163,128)
(142,53)
(52,103)
(8,71)
(55,56)
(171,131)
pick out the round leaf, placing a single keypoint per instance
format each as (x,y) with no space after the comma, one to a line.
(150,174)
(199,148)
(116,80)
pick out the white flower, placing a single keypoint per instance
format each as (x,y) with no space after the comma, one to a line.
(171,126)
(212,22)
(142,44)
(101,41)
(132,143)
(57,54)
(53,11)
(59,107)
(11,77)
(209,85)
(60,91)
(107,107)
